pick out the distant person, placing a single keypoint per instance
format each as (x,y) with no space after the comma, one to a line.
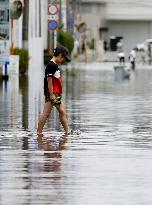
(53,89)
(77,47)
(105,45)
(83,46)
(121,56)
(132,58)
(149,54)
(84,51)
(119,45)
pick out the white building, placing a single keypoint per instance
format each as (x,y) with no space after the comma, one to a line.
(4,31)
(131,20)
(30,30)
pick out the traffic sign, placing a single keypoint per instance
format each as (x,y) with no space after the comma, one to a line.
(53,17)
(53,9)
(52,25)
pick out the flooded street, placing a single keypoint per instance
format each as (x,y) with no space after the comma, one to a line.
(108,163)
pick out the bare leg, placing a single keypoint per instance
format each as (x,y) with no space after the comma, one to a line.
(40,141)
(44,116)
(85,56)
(63,117)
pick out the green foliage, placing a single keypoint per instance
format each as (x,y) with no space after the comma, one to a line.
(47,56)
(2,36)
(24,59)
(65,39)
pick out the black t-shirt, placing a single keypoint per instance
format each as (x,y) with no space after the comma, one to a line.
(52,70)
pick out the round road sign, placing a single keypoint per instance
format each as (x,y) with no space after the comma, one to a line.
(53,25)
(53,9)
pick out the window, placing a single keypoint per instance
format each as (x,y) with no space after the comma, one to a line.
(4,15)
(86,8)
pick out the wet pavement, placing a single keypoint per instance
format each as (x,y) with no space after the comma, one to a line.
(108,163)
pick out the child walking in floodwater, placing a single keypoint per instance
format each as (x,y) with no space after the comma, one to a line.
(53,89)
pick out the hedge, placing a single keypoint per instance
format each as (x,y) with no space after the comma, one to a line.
(24,59)
(65,39)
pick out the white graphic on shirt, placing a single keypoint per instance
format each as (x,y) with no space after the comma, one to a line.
(57,74)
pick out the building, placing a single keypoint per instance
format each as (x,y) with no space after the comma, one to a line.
(4,19)
(4,31)
(31,29)
(118,19)
(73,15)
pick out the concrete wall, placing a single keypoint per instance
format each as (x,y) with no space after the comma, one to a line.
(133,32)
(125,9)
(128,10)
(17,32)
(95,19)
(44,22)
(130,19)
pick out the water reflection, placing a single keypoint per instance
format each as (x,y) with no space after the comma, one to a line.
(23,86)
(52,148)
(109,163)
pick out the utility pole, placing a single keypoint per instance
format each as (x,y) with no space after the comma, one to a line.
(60,11)
(63,14)
(68,14)
(74,9)
(52,34)
(79,10)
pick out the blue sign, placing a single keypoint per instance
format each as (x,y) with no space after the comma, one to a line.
(71,22)
(53,25)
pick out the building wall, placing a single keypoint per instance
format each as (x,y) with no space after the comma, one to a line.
(133,32)
(128,10)
(35,46)
(130,19)
(4,31)
(31,24)
(4,28)
(93,14)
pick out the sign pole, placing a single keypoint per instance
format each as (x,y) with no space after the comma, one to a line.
(55,38)
(53,17)
(12,44)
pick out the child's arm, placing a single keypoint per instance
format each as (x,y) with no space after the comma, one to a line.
(50,88)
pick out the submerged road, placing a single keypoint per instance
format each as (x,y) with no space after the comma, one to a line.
(108,163)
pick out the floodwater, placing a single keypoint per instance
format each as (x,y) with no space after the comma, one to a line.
(108,163)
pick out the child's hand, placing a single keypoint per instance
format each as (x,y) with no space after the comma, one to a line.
(52,98)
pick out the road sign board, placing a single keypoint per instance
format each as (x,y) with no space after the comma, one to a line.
(52,25)
(53,17)
(53,9)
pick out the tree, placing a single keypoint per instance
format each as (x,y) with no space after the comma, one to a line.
(65,39)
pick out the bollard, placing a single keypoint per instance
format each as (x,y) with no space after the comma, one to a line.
(5,76)
(121,73)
